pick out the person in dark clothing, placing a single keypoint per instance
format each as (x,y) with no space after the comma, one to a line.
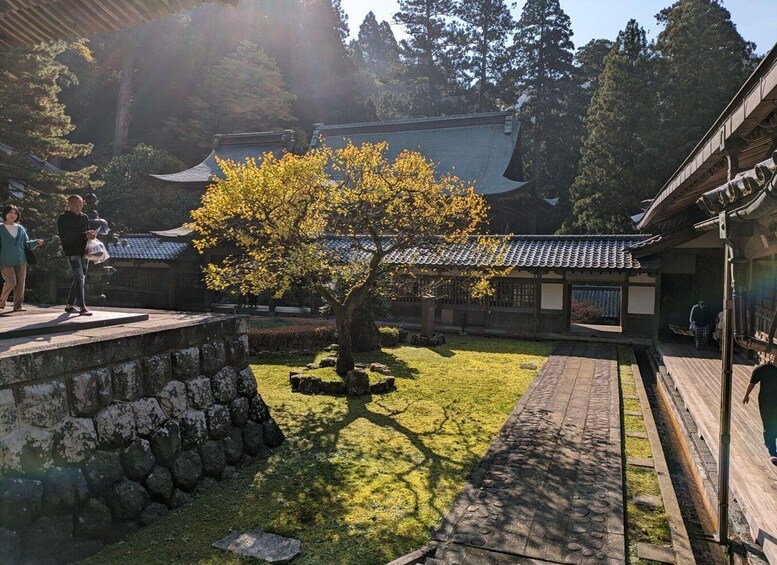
(766,375)
(701,319)
(73,227)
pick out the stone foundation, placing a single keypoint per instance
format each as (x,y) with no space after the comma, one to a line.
(101,438)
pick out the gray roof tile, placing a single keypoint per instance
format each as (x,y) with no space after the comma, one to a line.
(146,247)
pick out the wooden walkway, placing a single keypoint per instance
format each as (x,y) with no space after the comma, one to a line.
(696,375)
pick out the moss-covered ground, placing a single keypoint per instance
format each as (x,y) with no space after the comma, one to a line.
(358,481)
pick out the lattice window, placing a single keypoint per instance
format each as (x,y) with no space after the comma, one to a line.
(454,291)
(513,293)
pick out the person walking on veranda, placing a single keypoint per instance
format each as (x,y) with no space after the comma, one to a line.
(73,227)
(766,375)
(13,262)
(701,320)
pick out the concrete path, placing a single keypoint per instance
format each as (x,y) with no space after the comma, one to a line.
(549,489)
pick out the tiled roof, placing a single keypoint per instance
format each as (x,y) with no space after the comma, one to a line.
(606,298)
(146,247)
(233,147)
(479,148)
(35,163)
(578,252)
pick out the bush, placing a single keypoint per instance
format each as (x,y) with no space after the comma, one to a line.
(585,312)
(391,337)
(283,338)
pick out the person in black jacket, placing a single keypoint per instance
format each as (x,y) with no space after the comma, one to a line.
(73,227)
(766,375)
(702,318)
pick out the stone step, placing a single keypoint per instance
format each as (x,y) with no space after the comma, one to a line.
(658,553)
(640,435)
(641,462)
(633,413)
(648,500)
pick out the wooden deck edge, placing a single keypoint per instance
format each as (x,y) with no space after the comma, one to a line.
(701,461)
(681,544)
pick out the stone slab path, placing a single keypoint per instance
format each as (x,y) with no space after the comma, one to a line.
(549,489)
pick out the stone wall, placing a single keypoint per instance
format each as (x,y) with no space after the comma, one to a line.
(101,438)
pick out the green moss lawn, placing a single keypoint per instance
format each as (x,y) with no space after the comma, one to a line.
(359,481)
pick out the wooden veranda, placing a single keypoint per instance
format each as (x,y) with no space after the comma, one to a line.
(696,375)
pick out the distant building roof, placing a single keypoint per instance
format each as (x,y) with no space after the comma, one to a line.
(480,148)
(146,247)
(232,147)
(35,163)
(576,252)
(606,298)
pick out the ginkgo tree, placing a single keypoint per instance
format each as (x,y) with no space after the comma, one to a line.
(336,222)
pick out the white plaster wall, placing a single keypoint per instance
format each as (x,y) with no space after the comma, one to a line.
(642,300)
(552,296)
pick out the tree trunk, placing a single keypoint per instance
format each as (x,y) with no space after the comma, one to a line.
(345,361)
(124,101)
(364,332)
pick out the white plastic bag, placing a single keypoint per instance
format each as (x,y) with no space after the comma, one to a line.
(96,251)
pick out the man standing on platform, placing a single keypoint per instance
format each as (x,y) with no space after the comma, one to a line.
(73,226)
(766,374)
(701,320)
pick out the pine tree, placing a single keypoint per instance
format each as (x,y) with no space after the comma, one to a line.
(484,62)
(427,55)
(704,62)
(617,167)
(544,73)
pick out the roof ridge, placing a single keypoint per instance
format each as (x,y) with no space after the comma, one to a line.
(464,118)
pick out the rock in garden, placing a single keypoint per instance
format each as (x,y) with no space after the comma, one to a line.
(194,428)
(529,366)
(74,440)
(205,484)
(42,404)
(260,545)
(11,544)
(126,500)
(199,393)
(26,448)
(20,501)
(332,347)
(102,471)
(187,470)
(213,458)
(238,411)
(312,366)
(328,362)
(253,438)
(273,436)
(333,387)
(166,442)
(309,385)
(115,425)
(173,399)
(64,488)
(159,484)
(228,472)
(137,459)
(237,350)
(128,381)
(218,421)
(94,521)
(224,385)
(233,446)
(295,380)
(186,363)
(148,415)
(180,498)
(357,383)
(213,357)
(246,382)
(257,409)
(91,391)
(47,536)
(380,368)
(157,372)
(80,550)
(152,512)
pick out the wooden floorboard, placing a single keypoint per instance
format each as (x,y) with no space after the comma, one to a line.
(696,375)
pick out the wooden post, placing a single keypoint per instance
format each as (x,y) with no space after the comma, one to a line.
(625,304)
(537,310)
(567,304)
(427,315)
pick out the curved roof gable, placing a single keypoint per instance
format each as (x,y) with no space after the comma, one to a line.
(479,148)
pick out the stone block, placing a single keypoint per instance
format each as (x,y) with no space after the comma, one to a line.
(309,385)
(137,459)
(205,484)
(102,471)
(238,411)
(332,387)
(224,385)
(173,400)
(246,382)
(80,550)
(213,357)
(157,372)
(187,470)
(186,363)
(237,350)
(194,428)
(9,415)
(219,421)
(357,383)
(20,502)
(74,440)
(257,410)
(148,415)
(42,404)
(115,425)
(199,393)
(153,512)
(27,449)
(330,361)
(233,446)
(94,521)
(166,442)
(213,458)
(56,533)
(180,498)
(159,484)
(90,391)
(64,488)
(273,436)
(12,546)
(261,546)
(294,381)
(253,438)
(229,471)
(128,381)
(126,500)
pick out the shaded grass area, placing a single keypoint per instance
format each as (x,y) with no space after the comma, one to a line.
(643,524)
(359,481)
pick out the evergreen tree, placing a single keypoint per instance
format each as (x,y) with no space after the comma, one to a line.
(589,65)
(427,56)
(704,62)
(544,75)
(617,167)
(484,61)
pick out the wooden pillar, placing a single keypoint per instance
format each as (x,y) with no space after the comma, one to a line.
(657,306)
(172,273)
(625,304)
(537,310)
(427,315)
(567,303)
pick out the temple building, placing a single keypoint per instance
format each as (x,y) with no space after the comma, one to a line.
(484,149)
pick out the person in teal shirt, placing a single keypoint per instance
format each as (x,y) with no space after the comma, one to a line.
(13,263)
